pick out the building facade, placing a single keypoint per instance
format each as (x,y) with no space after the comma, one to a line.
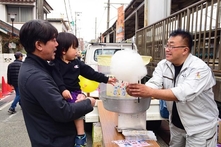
(22,11)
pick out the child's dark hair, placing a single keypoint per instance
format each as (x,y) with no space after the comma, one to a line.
(185,35)
(65,40)
(36,30)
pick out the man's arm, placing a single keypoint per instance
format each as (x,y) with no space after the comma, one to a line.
(141,90)
(50,99)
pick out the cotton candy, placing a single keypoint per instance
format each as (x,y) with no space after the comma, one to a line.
(128,65)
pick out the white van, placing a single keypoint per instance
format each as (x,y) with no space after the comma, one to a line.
(153,116)
(95,49)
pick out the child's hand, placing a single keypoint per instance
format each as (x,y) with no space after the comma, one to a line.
(66,94)
(112,80)
(80,97)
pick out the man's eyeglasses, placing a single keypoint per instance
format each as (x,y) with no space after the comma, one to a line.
(172,47)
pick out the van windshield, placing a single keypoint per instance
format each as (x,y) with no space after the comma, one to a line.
(104,52)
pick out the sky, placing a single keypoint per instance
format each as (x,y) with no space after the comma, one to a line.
(92,15)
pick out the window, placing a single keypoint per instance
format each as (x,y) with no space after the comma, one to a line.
(104,52)
(23,13)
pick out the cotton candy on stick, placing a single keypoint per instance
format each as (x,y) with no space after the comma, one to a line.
(128,65)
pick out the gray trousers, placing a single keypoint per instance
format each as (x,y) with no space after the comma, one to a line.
(179,138)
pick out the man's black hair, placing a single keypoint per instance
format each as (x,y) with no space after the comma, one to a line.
(36,30)
(185,35)
(18,55)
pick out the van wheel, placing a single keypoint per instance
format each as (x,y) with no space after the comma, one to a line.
(153,125)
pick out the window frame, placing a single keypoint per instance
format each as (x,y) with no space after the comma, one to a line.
(19,8)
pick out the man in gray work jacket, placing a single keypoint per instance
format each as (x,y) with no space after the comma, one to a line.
(185,82)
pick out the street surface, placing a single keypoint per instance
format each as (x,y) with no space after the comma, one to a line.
(12,128)
(13,132)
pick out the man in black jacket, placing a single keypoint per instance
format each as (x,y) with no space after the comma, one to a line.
(48,116)
(12,76)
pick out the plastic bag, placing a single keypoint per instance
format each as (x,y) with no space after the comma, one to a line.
(163,109)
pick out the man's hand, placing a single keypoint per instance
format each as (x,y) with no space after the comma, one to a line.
(80,97)
(93,101)
(138,90)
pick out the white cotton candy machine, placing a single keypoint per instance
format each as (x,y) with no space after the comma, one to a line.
(131,110)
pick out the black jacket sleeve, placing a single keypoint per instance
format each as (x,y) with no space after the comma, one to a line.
(90,73)
(9,75)
(49,97)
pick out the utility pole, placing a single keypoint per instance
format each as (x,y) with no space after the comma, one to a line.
(95,28)
(67,14)
(77,14)
(40,9)
(71,15)
(108,14)
(108,11)
(75,24)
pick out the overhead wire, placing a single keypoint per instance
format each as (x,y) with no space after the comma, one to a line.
(71,13)
(114,16)
(67,14)
(102,17)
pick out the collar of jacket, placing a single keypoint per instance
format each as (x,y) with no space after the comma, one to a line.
(185,64)
(18,60)
(39,62)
